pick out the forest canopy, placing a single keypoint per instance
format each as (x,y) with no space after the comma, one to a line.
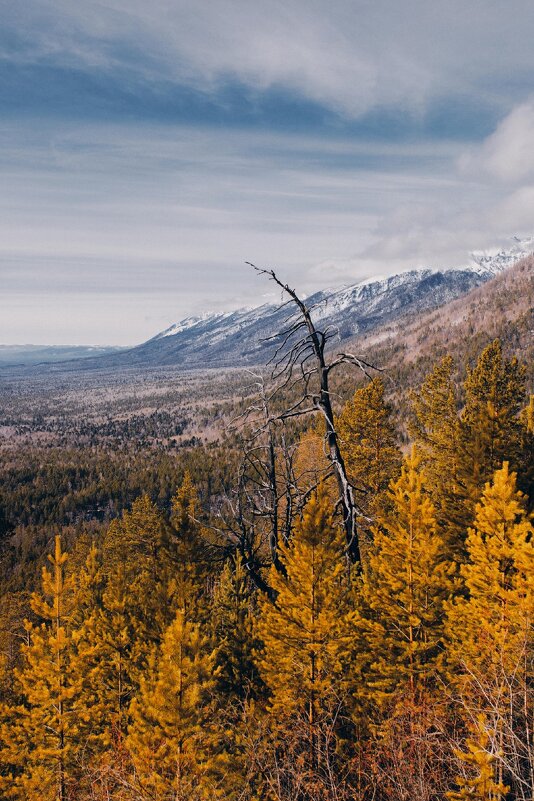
(207,639)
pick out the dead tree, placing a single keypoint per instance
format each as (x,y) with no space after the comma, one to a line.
(268,494)
(270,490)
(300,362)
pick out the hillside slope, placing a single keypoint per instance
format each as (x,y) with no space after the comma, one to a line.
(249,336)
(502,307)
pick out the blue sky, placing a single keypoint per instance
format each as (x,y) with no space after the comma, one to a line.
(147,150)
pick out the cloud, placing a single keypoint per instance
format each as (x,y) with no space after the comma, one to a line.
(349,57)
(490,199)
(173,212)
(508,153)
(516,211)
(148,149)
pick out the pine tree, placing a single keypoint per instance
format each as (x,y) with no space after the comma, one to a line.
(490,429)
(481,784)
(171,738)
(369,443)
(12,613)
(234,630)
(138,539)
(306,633)
(191,563)
(526,472)
(238,685)
(139,565)
(435,430)
(40,739)
(490,632)
(409,579)
(372,457)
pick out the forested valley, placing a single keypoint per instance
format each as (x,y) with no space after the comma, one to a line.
(222,616)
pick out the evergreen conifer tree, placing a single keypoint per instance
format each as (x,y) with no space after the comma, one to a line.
(234,630)
(490,430)
(139,566)
(526,472)
(306,638)
(409,579)
(435,430)
(42,737)
(191,564)
(238,686)
(171,738)
(369,445)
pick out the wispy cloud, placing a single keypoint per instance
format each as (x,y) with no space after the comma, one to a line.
(349,57)
(507,154)
(148,149)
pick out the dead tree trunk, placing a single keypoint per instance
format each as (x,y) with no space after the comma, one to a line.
(302,351)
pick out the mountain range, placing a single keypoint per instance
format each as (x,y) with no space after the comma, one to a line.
(249,336)
(502,308)
(21,355)
(245,336)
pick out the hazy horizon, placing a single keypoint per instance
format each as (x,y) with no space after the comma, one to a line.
(148,152)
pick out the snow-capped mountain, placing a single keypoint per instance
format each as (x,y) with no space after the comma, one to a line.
(245,336)
(497,262)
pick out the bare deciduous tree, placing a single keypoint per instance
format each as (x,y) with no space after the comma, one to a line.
(301,363)
(269,492)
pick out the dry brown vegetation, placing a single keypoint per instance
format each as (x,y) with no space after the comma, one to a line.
(502,308)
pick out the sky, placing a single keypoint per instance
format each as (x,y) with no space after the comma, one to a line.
(149,149)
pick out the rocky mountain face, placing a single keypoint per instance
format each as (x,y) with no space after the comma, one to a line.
(502,308)
(248,336)
(243,337)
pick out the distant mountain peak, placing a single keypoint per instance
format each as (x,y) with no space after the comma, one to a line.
(189,322)
(495,262)
(249,336)
(245,335)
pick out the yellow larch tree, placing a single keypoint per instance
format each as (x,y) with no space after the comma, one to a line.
(400,628)
(490,630)
(172,738)
(410,577)
(42,737)
(109,642)
(306,636)
(487,629)
(479,783)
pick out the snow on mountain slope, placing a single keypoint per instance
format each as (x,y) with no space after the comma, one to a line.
(331,303)
(497,262)
(184,325)
(248,336)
